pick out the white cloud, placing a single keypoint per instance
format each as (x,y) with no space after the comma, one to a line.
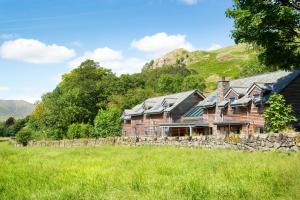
(111,59)
(161,43)
(189,2)
(213,47)
(3,88)
(34,51)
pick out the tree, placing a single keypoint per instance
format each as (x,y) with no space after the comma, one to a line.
(23,136)
(108,123)
(131,98)
(168,83)
(10,121)
(272,26)
(76,99)
(193,82)
(79,131)
(278,115)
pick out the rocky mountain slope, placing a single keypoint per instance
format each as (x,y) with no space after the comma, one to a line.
(228,62)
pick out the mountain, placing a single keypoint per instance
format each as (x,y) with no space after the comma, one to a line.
(15,108)
(228,62)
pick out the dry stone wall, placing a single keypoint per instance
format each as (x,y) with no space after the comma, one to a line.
(261,142)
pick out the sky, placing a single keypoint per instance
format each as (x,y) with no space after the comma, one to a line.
(41,40)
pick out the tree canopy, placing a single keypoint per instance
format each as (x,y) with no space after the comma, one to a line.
(271,25)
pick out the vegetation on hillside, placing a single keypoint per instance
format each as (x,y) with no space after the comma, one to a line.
(232,62)
(146,173)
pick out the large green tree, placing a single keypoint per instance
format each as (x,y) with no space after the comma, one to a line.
(76,99)
(271,25)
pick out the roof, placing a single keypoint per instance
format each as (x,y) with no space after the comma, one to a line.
(244,101)
(195,112)
(159,104)
(240,91)
(273,81)
(277,80)
(209,101)
(223,103)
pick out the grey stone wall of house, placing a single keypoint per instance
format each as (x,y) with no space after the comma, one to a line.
(259,142)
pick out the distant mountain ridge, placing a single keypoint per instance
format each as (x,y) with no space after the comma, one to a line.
(15,108)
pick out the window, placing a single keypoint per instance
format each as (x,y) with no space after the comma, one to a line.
(259,129)
(171,104)
(232,99)
(256,97)
(145,131)
(139,122)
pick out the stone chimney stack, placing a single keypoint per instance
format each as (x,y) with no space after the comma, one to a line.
(223,86)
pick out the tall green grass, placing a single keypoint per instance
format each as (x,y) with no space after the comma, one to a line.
(114,172)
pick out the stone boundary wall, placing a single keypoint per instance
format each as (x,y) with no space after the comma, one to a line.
(261,142)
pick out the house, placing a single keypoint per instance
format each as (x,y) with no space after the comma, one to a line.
(145,118)
(235,106)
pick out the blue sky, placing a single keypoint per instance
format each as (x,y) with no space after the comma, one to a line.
(41,40)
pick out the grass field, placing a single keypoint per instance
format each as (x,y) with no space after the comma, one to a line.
(112,172)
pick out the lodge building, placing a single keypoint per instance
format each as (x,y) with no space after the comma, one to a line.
(236,106)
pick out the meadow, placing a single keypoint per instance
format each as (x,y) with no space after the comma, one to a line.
(121,172)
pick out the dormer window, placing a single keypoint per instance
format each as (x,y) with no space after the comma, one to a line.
(256,97)
(232,99)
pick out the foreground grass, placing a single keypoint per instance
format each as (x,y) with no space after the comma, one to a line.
(146,173)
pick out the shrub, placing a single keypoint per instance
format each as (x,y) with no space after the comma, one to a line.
(79,131)
(108,123)
(24,136)
(278,115)
(55,134)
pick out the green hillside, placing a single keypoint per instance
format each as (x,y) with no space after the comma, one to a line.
(14,108)
(228,62)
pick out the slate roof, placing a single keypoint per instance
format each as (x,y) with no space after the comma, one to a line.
(158,104)
(277,80)
(273,81)
(242,101)
(223,103)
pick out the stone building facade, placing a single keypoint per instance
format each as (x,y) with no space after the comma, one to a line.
(236,106)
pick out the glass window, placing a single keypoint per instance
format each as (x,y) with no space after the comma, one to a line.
(232,99)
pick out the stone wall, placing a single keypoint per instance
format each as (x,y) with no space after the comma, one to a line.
(261,142)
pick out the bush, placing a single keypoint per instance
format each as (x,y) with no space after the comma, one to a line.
(278,115)
(23,136)
(55,134)
(79,131)
(108,123)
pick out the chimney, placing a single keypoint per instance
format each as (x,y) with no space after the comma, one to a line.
(223,86)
